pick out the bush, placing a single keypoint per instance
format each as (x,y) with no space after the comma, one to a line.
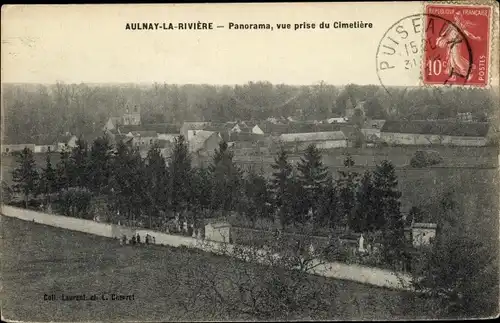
(458,276)
(425,158)
(75,202)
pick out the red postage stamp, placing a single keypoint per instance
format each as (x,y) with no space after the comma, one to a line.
(457,40)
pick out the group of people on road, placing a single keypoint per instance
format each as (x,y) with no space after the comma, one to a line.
(136,239)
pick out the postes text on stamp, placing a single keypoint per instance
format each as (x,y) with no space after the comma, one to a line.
(457,45)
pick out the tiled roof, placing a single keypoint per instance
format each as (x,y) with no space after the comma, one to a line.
(167,128)
(373,124)
(144,133)
(168,137)
(449,128)
(165,143)
(196,138)
(245,136)
(313,136)
(424,225)
(270,128)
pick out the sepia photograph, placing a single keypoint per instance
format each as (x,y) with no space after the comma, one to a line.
(250,162)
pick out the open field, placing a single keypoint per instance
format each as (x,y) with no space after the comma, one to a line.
(480,157)
(39,260)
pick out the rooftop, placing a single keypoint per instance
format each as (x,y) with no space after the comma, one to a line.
(424,225)
(449,128)
(313,136)
(196,138)
(166,128)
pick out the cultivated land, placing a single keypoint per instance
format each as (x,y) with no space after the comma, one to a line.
(39,260)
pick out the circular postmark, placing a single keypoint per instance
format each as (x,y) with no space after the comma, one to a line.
(423,49)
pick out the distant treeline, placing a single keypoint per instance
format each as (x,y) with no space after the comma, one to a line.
(41,112)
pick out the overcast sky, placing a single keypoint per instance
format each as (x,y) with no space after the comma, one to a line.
(74,43)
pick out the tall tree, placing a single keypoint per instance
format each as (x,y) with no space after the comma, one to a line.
(48,184)
(458,275)
(64,169)
(363,219)
(313,176)
(127,181)
(201,189)
(328,213)
(80,163)
(387,211)
(281,186)
(157,181)
(226,179)
(180,175)
(99,170)
(256,201)
(346,188)
(25,175)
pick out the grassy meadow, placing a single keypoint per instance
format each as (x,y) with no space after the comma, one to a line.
(39,260)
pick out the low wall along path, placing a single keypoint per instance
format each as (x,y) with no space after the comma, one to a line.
(361,274)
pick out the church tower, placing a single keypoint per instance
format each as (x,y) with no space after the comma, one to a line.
(132,116)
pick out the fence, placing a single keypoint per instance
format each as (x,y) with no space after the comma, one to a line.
(362,274)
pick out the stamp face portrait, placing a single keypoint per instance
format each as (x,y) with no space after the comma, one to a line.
(457,45)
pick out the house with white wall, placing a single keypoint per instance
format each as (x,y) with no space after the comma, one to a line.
(436,132)
(423,233)
(322,140)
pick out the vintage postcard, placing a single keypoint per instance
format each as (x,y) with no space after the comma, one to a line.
(243,162)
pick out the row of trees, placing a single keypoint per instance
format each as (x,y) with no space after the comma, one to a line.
(458,276)
(83,108)
(302,195)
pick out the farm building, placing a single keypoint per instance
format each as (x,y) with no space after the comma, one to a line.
(7,149)
(202,125)
(422,233)
(436,132)
(247,127)
(371,130)
(143,139)
(67,141)
(203,142)
(159,128)
(168,137)
(166,147)
(337,120)
(301,127)
(220,232)
(322,140)
(132,116)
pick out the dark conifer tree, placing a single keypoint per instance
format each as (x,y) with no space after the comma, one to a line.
(64,170)
(226,180)
(80,164)
(156,183)
(282,187)
(100,165)
(363,219)
(25,175)
(347,184)
(313,177)
(201,189)
(180,176)
(48,180)
(256,200)
(387,211)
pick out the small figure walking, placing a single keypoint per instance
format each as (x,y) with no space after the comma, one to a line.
(138,238)
(147,239)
